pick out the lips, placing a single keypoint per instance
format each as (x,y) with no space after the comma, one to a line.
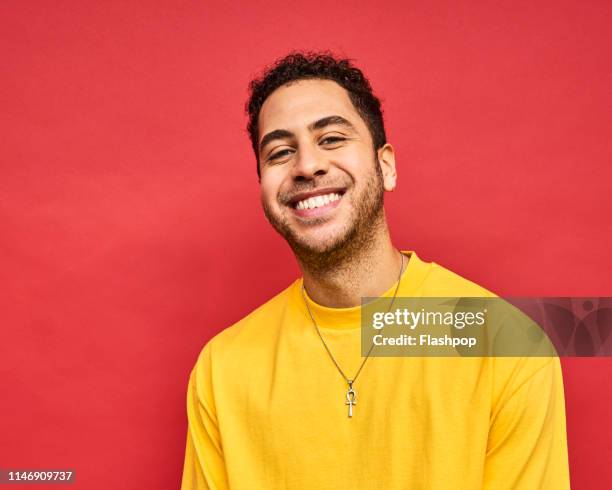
(317,201)
(316,204)
(303,197)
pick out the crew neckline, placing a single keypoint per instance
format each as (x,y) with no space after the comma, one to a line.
(350,318)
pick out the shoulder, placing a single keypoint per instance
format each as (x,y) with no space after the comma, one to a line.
(250,333)
(442,281)
(509,373)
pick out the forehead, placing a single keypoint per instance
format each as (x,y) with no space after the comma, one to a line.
(297,104)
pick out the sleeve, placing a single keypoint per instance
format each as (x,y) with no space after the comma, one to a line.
(204,467)
(527,445)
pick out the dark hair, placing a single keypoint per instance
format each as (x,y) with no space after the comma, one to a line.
(322,65)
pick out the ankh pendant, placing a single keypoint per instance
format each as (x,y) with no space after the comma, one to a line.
(351,398)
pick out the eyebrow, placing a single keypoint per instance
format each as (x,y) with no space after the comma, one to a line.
(318,124)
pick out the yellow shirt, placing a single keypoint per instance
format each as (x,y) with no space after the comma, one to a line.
(266,407)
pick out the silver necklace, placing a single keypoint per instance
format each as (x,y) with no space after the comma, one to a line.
(351,394)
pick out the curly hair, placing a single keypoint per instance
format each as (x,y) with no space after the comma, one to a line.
(316,65)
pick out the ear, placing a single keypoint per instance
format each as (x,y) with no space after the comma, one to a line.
(386,160)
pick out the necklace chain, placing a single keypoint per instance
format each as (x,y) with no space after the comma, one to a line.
(349,380)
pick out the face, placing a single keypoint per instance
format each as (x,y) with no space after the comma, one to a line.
(322,182)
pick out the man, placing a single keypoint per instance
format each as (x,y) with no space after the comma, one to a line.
(283,399)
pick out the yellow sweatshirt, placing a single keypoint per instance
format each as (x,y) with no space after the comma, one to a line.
(266,407)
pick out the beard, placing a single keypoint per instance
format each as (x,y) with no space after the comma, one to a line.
(357,236)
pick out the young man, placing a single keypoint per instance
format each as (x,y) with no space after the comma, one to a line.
(283,398)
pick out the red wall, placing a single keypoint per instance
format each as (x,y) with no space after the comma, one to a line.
(130,227)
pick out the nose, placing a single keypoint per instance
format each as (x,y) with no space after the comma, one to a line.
(309,163)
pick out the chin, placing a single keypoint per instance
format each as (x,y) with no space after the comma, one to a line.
(322,243)
(314,239)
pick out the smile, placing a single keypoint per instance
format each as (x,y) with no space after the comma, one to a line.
(317,202)
(322,202)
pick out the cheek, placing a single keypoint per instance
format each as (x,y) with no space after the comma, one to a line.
(268,189)
(354,174)
(355,161)
(264,195)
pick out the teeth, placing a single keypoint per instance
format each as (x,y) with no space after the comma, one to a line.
(318,201)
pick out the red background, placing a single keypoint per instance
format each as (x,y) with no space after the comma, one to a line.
(131,230)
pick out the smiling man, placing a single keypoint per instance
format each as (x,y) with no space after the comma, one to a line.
(284,399)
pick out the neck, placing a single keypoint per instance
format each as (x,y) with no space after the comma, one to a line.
(365,271)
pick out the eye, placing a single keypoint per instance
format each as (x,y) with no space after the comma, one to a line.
(330,140)
(279,154)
